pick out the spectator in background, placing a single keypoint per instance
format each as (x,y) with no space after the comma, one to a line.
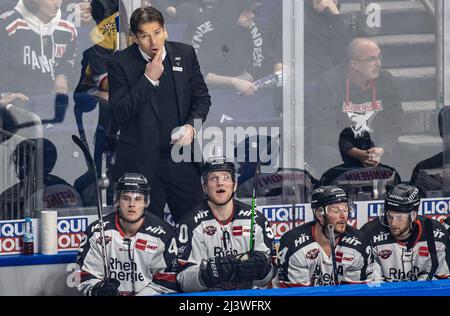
(274,33)
(365,180)
(86,11)
(432,176)
(93,91)
(38,49)
(231,47)
(94,77)
(326,37)
(57,193)
(239,68)
(358,95)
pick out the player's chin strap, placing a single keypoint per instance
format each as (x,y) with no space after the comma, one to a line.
(431,248)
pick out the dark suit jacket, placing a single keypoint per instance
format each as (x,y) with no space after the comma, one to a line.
(134,107)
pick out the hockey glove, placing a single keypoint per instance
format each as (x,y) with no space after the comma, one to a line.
(254,265)
(108,287)
(218,269)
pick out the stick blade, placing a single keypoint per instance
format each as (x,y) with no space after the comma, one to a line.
(84,149)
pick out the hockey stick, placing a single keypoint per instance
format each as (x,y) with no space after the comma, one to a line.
(293,206)
(255,185)
(252,221)
(432,248)
(333,253)
(91,167)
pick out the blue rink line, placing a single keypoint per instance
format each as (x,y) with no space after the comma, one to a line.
(37,259)
(419,288)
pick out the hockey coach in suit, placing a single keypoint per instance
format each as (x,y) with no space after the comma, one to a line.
(156,88)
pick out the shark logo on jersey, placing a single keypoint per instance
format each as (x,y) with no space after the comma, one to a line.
(107,240)
(209,230)
(312,254)
(385,253)
(362,115)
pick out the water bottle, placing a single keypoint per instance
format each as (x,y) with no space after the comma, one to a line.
(28,240)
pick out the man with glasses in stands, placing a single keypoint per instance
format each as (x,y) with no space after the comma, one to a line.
(357,95)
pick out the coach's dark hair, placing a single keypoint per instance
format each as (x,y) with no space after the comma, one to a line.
(145,15)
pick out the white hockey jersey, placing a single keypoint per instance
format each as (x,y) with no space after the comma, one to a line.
(145,264)
(303,262)
(410,261)
(201,236)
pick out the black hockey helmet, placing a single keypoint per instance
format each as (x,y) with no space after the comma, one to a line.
(403,198)
(132,182)
(218,164)
(326,195)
